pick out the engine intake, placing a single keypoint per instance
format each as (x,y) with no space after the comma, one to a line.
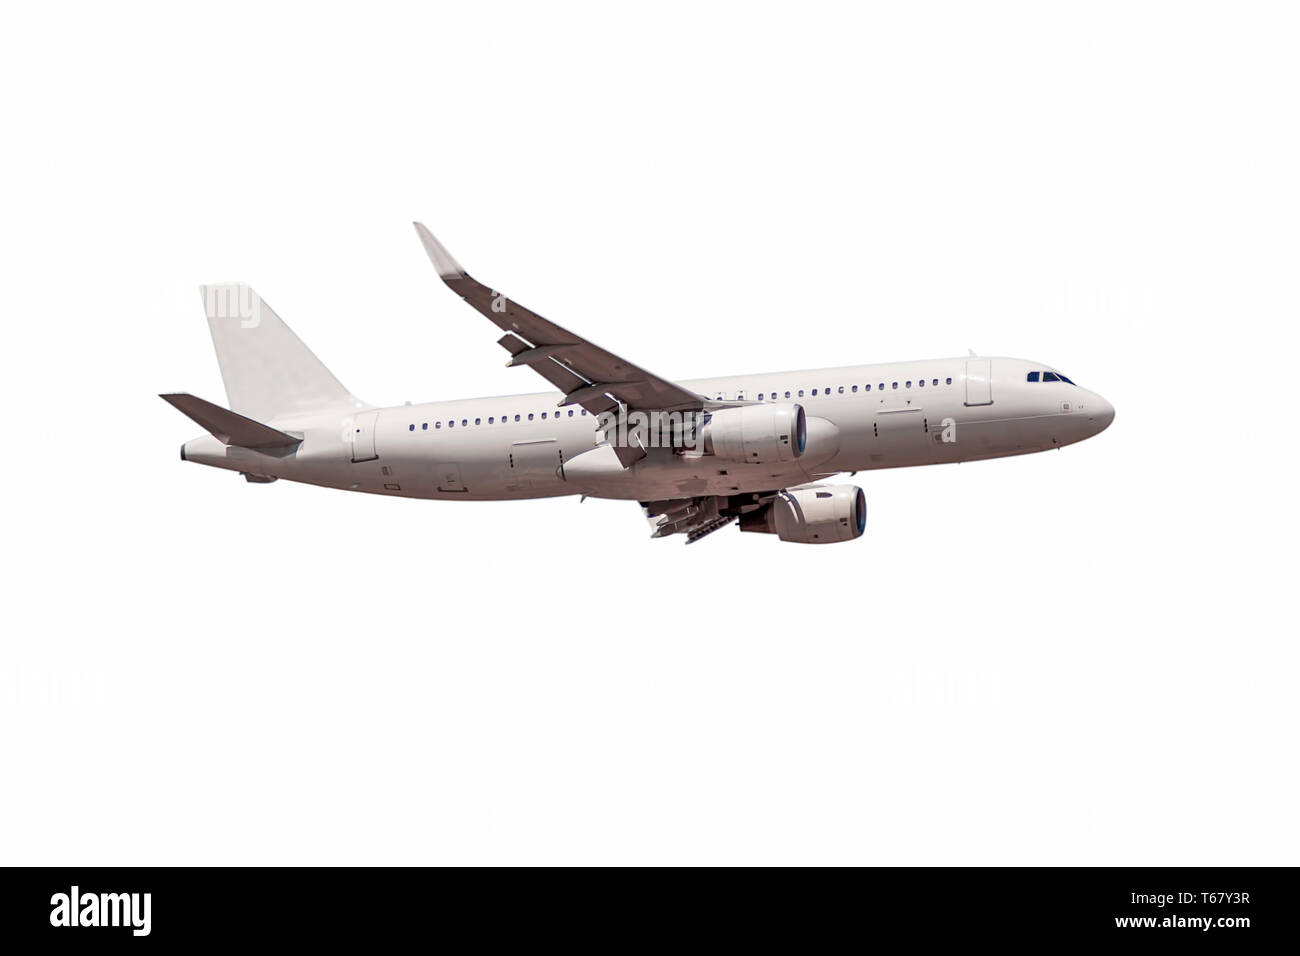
(758,434)
(814,514)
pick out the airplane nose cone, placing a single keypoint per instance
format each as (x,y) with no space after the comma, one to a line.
(1101,413)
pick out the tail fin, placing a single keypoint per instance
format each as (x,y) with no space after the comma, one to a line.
(268,372)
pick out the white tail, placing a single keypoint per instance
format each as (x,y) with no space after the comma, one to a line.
(268,372)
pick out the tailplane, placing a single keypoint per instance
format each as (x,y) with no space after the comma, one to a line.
(268,371)
(228,427)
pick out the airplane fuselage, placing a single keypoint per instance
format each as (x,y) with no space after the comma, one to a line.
(860,418)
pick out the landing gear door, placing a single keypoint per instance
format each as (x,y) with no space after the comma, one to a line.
(363,436)
(979,381)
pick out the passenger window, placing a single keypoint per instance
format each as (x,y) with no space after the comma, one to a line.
(949,381)
(530,416)
(437,424)
(478,421)
(516,418)
(543,416)
(412,427)
(895,385)
(814,391)
(424,427)
(855,389)
(909,383)
(452,423)
(571,413)
(1031,377)
(801,393)
(868,388)
(882,386)
(935,382)
(787,394)
(492,419)
(774,396)
(920,383)
(842,390)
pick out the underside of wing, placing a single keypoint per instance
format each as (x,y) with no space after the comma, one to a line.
(693,517)
(703,514)
(812,513)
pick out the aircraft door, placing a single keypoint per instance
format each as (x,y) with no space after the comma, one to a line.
(363,435)
(534,464)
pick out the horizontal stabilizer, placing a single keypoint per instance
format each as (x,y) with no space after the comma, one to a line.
(229,428)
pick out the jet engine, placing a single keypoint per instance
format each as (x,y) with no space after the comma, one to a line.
(757,434)
(812,514)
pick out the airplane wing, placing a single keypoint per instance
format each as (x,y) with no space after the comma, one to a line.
(587,374)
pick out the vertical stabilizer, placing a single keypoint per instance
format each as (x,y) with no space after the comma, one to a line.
(268,372)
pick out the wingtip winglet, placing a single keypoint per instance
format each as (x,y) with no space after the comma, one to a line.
(448,267)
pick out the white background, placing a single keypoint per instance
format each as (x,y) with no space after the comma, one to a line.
(1085,656)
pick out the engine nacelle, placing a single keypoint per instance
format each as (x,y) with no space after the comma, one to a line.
(816,514)
(757,434)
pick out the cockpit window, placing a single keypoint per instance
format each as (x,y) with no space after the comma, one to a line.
(1048,377)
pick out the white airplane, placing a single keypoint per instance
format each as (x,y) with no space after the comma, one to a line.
(697,454)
